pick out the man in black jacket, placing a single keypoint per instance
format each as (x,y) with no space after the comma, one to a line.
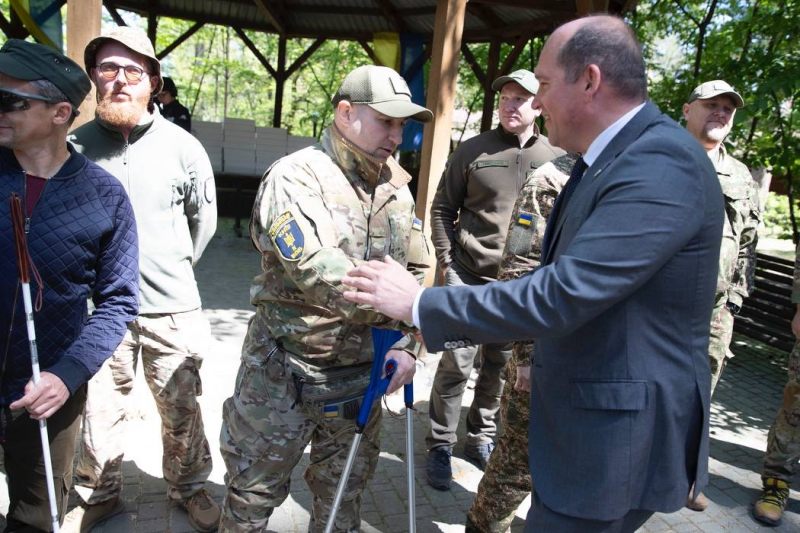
(171,108)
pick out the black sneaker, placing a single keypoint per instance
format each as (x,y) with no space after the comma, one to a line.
(440,473)
(480,453)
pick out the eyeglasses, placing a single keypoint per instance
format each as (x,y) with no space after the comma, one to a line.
(110,71)
(13,100)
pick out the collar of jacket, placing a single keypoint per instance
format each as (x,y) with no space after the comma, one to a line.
(70,167)
(722,160)
(512,139)
(353,159)
(148,120)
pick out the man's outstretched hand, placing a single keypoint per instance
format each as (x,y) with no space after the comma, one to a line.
(44,399)
(385,285)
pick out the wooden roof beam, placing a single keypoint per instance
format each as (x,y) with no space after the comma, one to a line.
(251,45)
(544,5)
(511,58)
(584,7)
(485,13)
(5,25)
(391,15)
(114,14)
(417,65)
(180,40)
(473,63)
(304,57)
(368,49)
(271,16)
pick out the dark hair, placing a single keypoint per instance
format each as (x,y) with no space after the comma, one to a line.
(610,44)
(169,86)
(48,89)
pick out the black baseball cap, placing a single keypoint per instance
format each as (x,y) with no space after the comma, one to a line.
(30,61)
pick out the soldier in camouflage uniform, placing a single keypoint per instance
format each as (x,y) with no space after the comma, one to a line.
(709,116)
(507,481)
(308,352)
(783,443)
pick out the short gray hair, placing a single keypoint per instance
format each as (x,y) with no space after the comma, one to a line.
(47,89)
(609,43)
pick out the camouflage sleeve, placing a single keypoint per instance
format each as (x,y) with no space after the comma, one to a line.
(523,248)
(743,278)
(294,224)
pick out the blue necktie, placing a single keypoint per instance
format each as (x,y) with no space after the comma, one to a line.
(572,184)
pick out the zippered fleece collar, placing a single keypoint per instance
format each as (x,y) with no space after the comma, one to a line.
(353,159)
(512,139)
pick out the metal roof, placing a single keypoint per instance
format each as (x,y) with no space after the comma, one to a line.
(360,19)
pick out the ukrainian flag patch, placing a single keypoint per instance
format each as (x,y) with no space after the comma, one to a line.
(525,219)
(331,411)
(417,224)
(287,237)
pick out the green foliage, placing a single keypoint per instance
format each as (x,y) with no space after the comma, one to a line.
(776,218)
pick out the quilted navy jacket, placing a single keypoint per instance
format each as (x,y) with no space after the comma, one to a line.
(82,238)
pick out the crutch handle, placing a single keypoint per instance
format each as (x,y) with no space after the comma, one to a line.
(376,389)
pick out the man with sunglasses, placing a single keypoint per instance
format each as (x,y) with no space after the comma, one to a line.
(171,184)
(81,237)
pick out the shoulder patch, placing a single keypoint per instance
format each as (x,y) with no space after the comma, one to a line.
(287,237)
(525,219)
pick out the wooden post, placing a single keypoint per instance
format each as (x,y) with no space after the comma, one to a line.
(83,25)
(488,92)
(448,27)
(280,80)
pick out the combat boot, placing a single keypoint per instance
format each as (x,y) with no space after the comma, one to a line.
(439,470)
(770,505)
(480,453)
(84,517)
(203,511)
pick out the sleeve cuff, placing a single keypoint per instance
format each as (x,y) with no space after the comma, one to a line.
(71,372)
(415,310)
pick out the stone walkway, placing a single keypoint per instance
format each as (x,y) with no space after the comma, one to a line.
(744,406)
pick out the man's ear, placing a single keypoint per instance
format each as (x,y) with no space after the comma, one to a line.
(63,113)
(345,113)
(685,111)
(591,80)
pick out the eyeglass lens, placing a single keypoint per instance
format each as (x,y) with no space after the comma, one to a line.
(110,71)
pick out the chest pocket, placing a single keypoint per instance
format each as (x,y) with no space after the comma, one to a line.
(484,163)
(736,208)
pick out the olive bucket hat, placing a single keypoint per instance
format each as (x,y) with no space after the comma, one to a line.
(131,38)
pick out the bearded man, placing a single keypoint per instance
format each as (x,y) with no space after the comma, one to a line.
(168,177)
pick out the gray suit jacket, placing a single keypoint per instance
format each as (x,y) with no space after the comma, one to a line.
(620,310)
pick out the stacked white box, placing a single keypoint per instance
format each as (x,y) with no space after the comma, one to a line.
(210,136)
(239,145)
(270,146)
(296,143)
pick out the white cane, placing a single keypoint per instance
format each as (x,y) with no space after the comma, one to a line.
(23,264)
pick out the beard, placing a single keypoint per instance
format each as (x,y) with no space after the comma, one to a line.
(122,114)
(716,133)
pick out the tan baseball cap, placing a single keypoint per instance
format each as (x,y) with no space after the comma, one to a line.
(384,90)
(525,78)
(710,89)
(132,38)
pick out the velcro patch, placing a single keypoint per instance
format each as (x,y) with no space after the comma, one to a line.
(417,225)
(524,219)
(331,411)
(287,237)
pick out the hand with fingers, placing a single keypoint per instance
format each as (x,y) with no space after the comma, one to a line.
(385,285)
(43,399)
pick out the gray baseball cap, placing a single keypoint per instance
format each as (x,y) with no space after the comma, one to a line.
(710,89)
(131,38)
(525,78)
(384,90)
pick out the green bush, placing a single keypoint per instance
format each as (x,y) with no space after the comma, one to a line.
(777,222)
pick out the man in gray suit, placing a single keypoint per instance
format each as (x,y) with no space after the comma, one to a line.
(621,306)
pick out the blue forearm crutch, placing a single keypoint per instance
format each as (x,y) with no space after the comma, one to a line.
(383,340)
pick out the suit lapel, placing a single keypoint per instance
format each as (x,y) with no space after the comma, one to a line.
(627,135)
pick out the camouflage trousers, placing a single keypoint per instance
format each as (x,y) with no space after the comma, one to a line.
(451,379)
(719,342)
(263,437)
(783,442)
(171,346)
(507,480)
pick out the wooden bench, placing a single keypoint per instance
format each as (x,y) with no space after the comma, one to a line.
(767,314)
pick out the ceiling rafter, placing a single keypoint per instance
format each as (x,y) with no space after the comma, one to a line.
(272,17)
(391,14)
(256,52)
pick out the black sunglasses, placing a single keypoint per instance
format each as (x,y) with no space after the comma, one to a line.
(13,100)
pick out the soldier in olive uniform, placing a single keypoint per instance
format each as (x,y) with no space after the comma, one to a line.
(307,356)
(783,443)
(709,116)
(507,481)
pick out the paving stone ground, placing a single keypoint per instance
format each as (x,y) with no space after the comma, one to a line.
(744,406)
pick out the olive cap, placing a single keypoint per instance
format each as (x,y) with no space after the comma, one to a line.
(384,90)
(131,38)
(525,78)
(710,89)
(30,61)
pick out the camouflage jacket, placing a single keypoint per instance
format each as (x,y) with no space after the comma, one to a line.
(737,257)
(523,247)
(318,213)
